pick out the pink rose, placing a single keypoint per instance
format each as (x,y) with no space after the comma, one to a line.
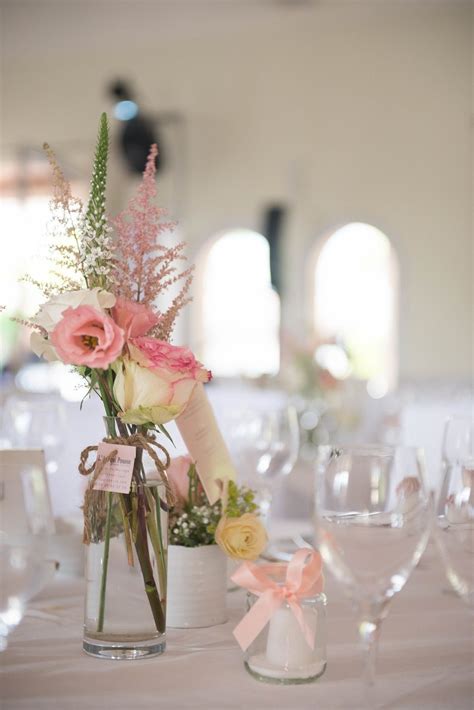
(85,336)
(178,477)
(134,318)
(179,361)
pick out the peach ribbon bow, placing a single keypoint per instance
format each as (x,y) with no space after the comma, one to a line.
(303,579)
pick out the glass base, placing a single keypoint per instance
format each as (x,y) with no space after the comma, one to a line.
(123,650)
(279,676)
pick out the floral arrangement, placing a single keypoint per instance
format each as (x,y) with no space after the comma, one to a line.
(102,317)
(101,313)
(231,522)
(305,373)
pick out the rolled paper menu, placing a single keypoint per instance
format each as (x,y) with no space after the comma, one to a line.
(206,446)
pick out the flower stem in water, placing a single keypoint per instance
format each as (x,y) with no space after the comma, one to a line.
(105,563)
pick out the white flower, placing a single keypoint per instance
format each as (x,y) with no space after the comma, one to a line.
(50,313)
(42,347)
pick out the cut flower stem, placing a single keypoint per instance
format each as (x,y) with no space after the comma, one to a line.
(105,564)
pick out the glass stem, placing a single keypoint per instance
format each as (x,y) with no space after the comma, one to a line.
(369,632)
(265,504)
(3,636)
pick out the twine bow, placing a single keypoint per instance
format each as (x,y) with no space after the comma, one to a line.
(303,579)
(144,441)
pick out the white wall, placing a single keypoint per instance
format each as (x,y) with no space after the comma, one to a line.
(343,110)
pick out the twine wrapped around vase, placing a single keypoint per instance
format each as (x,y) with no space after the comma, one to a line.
(147,442)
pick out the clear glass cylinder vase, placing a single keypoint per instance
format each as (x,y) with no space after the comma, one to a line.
(126,566)
(280,653)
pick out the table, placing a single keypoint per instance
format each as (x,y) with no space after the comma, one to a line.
(426,659)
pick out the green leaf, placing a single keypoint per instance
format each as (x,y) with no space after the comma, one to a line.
(164,431)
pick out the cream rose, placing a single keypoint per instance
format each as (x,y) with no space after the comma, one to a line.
(144,396)
(157,384)
(243,538)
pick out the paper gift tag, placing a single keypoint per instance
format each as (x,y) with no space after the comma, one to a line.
(198,427)
(116,476)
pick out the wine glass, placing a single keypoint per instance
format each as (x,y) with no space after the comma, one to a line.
(455,506)
(270,445)
(36,423)
(25,528)
(372,525)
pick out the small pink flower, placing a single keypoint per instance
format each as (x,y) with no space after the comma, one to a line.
(85,336)
(408,486)
(178,477)
(179,361)
(134,318)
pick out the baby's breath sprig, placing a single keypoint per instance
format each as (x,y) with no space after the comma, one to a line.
(193,523)
(195,527)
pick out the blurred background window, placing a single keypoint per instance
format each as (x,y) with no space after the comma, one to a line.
(24,204)
(23,222)
(25,193)
(355,301)
(240,309)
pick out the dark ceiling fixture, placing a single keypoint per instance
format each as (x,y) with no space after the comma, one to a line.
(138,129)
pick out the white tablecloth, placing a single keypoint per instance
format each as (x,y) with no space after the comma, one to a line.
(425,661)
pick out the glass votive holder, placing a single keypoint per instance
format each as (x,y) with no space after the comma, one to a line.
(280,653)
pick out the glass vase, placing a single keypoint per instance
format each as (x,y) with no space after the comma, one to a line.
(126,564)
(280,653)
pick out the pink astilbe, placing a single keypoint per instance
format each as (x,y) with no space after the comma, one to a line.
(145,269)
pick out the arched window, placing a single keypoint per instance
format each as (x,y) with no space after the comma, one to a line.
(356,299)
(240,309)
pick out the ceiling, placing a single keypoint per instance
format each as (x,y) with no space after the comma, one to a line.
(48,26)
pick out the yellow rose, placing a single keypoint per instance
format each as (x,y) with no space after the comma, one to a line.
(243,538)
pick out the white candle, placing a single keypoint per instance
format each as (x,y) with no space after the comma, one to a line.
(287,656)
(286,644)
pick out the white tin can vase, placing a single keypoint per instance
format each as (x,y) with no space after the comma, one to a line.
(197,585)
